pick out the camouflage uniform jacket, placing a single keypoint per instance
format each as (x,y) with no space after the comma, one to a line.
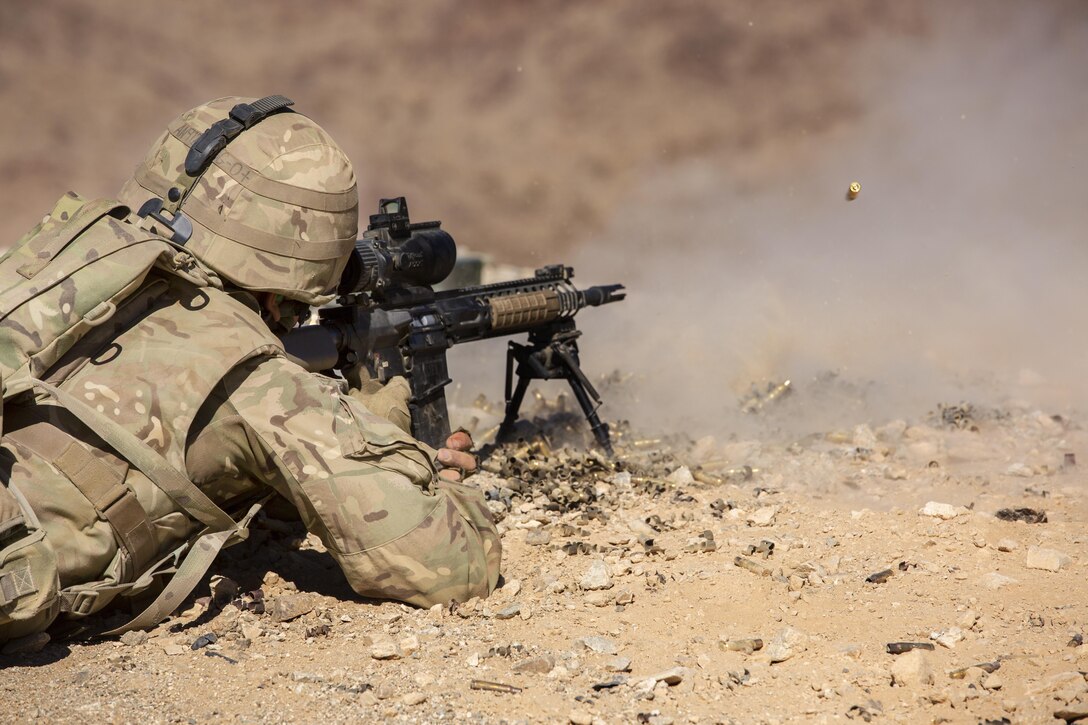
(196,374)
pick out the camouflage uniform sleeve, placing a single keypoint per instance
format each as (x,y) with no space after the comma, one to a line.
(366,488)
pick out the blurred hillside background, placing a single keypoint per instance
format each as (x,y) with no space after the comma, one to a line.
(698,151)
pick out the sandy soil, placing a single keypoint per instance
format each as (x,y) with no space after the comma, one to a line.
(681,588)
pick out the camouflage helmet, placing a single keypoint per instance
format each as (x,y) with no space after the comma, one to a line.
(270,196)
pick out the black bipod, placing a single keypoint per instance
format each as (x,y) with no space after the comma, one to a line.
(552,354)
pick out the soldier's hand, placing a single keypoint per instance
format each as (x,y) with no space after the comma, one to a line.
(390,400)
(456,461)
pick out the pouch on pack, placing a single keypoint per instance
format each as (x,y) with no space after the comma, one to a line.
(64,278)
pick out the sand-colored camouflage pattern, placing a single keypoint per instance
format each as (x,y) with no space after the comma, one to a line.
(305,249)
(172,375)
(65,279)
(28,596)
(367,489)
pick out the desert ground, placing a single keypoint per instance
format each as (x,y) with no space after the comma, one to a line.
(698,581)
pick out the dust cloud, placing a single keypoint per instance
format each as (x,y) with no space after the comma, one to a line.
(958,272)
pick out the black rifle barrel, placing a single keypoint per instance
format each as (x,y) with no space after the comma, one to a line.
(466,315)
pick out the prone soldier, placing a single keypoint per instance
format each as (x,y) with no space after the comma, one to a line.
(144,424)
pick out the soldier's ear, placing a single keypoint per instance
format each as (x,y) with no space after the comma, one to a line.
(270,304)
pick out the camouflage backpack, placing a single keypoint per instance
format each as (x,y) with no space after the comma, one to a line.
(61,280)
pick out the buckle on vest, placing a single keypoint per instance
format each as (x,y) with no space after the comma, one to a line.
(81,602)
(180,227)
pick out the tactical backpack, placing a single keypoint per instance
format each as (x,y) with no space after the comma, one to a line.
(58,283)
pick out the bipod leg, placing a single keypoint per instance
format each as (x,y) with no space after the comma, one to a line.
(600,429)
(514,399)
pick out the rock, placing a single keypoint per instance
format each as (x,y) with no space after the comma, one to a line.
(912,670)
(1007,545)
(600,645)
(895,473)
(27,645)
(892,432)
(511,588)
(597,576)
(943,511)
(993,681)
(173,649)
(618,664)
(625,596)
(414,698)
(681,477)
(1046,559)
(1071,713)
(409,645)
(541,665)
(640,527)
(763,516)
(385,651)
(538,537)
(386,690)
(993,580)
(292,606)
(251,631)
(673,676)
(1064,685)
(134,638)
(864,437)
(509,612)
(1022,470)
(581,717)
(968,619)
(787,643)
(599,599)
(947,637)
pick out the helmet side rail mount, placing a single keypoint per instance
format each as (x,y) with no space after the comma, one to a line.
(204,150)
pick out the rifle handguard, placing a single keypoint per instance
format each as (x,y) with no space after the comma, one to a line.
(521,310)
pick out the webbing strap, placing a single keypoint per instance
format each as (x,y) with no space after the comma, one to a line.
(173,482)
(251,237)
(113,501)
(222,529)
(103,485)
(16,583)
(189,573)
(261,185)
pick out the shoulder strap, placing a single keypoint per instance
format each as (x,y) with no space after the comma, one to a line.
(192,569)
(172,481)
(221,529)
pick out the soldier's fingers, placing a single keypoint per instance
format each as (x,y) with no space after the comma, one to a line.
(457,459)
(459,441)
(451,474)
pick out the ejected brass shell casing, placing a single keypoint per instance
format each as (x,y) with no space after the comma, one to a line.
(853,190)
(747,646)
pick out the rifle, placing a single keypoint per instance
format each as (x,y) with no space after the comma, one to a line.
(390,321)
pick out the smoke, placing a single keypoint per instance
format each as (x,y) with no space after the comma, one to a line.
(958,272)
